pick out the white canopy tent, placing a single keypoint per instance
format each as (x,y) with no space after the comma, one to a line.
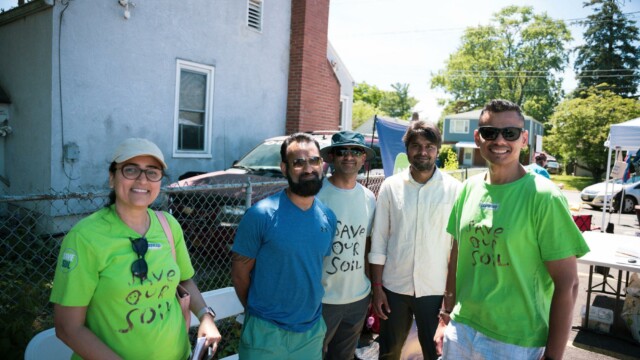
(623,136)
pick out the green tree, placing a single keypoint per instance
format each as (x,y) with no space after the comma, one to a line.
(448,158)
(398,103)
(581,126)
(516,57)
(361,112)
(370,94)
(609,54)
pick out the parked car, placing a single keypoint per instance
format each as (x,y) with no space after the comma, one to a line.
(210,205)
(553,167)
(631,198)
(594,195)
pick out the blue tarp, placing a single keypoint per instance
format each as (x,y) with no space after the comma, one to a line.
(390,140)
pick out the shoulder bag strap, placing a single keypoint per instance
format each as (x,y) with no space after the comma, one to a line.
(167,231)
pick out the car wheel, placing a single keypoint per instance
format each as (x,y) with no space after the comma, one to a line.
(629,204)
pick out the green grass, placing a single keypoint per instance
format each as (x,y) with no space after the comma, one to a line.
(573,182)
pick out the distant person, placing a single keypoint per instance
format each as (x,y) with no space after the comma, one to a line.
(410,246)
(539,167)
(116,277)
(512,281)
(345,275)
(277,261)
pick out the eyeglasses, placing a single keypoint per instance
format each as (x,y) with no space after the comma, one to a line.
(301,162)
(139,267)
(132,172)
(345,151)
(508,133)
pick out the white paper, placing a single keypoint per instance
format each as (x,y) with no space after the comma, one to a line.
(199,350)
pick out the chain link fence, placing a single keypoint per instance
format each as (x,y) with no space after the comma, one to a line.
(32,228)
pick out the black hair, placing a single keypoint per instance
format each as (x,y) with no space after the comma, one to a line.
(422,128)
(297,137)
(112,193)
(501,105)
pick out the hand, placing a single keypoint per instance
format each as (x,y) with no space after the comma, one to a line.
(209,330)
(438,338)
(380,304)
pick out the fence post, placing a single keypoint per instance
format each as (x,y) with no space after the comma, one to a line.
(249,194)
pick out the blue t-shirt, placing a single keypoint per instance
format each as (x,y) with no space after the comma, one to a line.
(539,170)
(289,246)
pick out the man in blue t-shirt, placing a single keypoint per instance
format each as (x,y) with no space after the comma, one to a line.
(277,261)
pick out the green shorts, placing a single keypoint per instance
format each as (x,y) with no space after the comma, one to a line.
(263,340)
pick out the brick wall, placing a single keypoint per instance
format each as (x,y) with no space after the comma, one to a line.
(313,101)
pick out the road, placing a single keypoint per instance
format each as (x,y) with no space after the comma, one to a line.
(593,346)
(626,224)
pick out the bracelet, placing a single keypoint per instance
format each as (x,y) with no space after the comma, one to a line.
(201,313)
(376,284)
(206,310)
(444,317)
(444,312)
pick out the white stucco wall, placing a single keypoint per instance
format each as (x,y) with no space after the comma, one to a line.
(118,81)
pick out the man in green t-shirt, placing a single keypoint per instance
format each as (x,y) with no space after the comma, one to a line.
(512,280)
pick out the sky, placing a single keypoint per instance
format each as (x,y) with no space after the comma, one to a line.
(383,42)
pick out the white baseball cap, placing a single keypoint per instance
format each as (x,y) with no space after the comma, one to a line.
(133,147)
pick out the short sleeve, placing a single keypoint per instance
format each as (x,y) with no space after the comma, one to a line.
(77,272)
(248,237)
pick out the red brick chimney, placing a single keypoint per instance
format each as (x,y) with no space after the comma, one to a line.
(313,100)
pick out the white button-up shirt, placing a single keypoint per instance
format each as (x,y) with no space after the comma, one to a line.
(410,232)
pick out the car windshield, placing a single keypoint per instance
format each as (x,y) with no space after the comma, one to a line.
(264,156)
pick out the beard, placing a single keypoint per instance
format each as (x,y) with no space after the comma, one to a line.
(307,187)
(423,165)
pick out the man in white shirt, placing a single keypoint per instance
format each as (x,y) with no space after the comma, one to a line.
(410,245)
(345,274)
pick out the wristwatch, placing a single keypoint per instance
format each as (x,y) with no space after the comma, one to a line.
(206,310)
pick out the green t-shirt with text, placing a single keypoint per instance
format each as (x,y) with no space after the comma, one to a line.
(505,234)
(138,320)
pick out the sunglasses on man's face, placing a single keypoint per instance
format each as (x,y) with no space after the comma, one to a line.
(139,267)
(508,133)
(355,152)
(301,162)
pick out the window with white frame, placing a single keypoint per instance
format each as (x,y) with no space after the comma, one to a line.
(459,126)
(194,108)
(254,14)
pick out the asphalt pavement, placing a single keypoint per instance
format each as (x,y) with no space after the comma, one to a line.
(590,345)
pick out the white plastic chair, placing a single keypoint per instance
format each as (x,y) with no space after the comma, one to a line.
(224,301)
(45,345)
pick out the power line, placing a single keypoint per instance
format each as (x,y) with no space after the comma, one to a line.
(535,71)
(570,22)
(462,75)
